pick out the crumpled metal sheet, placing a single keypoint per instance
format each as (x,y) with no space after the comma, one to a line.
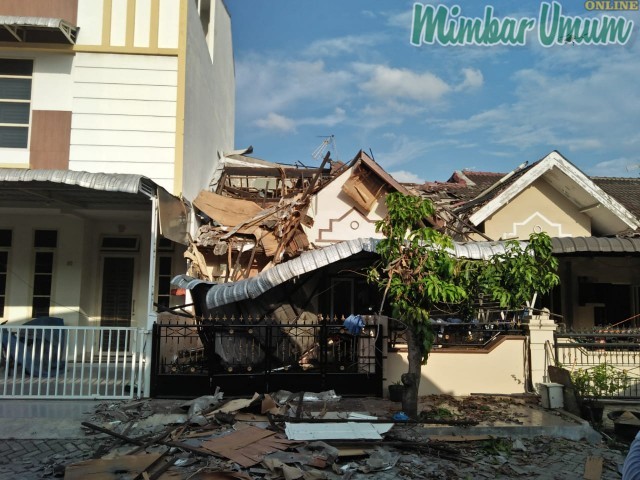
(226,293)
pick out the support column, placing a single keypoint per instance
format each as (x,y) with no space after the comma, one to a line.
(541,330)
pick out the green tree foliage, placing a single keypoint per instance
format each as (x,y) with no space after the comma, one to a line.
(419,275)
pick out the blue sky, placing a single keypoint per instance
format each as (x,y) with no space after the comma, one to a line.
(309,69)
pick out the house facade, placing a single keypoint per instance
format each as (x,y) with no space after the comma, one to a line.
(111,112)
(591,221)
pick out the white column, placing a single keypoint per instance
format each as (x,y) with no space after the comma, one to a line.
(541,330)
(151,313)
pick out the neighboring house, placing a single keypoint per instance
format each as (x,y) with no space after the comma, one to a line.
(591,222)
(137,87)
(109,113)
(140,88)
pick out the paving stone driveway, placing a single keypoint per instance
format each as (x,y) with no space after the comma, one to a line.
(541,458)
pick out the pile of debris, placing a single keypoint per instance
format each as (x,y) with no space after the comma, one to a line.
(282,435)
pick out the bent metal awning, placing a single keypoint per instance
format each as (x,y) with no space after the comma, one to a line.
(250,288)
(37,30)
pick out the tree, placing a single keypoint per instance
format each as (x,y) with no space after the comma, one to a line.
(419,275)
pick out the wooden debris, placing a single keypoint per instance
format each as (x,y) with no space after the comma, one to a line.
(120,468)
(593,468)
(248,446)
(458,438)
(226,210)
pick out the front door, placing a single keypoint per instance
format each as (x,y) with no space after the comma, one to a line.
(117,299)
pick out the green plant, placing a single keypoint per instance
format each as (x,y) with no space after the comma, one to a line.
(418,275)
(603,380)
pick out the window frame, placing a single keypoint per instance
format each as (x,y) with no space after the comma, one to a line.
(3,100)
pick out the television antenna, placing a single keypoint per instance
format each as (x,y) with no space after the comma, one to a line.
(324,146)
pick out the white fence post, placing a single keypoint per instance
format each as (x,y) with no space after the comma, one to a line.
(541,330)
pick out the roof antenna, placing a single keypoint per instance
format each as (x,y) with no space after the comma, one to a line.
(371,152)
(319,151)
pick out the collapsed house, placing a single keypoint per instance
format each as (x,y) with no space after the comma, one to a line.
(259,214)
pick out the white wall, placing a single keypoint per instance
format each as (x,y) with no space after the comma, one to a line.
(76,291)
(124,110)
(209,100)
(68,258)
(335,219)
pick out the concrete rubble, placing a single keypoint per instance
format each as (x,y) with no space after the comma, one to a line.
(245,438)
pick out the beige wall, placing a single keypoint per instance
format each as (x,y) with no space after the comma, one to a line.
(500,370)
(335,219)
(539,207)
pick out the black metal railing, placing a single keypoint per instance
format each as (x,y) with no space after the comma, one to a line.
(456,334)
(244,355)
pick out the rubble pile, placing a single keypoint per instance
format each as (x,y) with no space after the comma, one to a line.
(310,436)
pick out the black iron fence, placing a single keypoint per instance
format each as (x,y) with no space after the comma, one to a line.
(242,356)
(619,349)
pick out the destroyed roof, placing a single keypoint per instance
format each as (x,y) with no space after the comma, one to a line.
(379,171)
(474,196)
(250,288)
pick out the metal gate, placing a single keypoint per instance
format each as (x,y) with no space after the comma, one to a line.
(261,355)
(59,362)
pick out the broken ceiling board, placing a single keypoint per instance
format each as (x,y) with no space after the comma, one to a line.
(248,446)
(119,468)
(593,468)
(334,431)
(237,404)
(225,210)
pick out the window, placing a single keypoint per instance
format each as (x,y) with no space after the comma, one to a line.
(122,244)
(5,243)
(15,102)
(44,241)
(164,282)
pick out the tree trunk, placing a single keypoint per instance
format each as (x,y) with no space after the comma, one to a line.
(411,379)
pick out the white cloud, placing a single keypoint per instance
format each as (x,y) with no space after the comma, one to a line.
(276,122)
(473,79)
(619,167)
(403,176)
(566,106)
(266,85)
(280,123)
(332,47)
(402,20)
(388,82)
(401,149)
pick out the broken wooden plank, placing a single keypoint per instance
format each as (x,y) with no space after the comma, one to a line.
(247,447)
(226,210)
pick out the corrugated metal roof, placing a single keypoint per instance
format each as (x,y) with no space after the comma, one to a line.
(225,293)
(108,182)
(39,29)
(569,245)
(20,188)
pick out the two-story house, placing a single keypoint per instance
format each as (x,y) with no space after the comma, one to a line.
(110,111)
